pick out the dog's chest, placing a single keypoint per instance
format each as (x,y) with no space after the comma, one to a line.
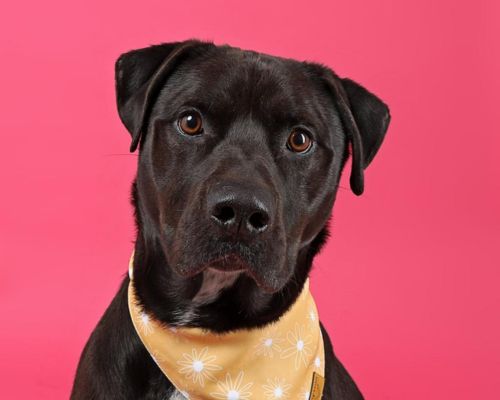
(176,395)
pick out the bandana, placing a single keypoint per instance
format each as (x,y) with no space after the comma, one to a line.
(283,360)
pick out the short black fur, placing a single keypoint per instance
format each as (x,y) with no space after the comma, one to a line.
(249,101)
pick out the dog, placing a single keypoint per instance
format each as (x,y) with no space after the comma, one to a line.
(240,157)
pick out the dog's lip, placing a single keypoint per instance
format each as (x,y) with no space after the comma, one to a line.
(227,270)
(231,263)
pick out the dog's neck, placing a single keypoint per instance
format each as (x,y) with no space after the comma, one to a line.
(208,301)
(206,359)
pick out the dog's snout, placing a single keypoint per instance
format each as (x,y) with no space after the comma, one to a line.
(241,209)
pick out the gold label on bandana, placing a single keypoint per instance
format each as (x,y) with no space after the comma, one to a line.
(317,387)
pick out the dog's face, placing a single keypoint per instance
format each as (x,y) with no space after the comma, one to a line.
(241,154)
(240,162)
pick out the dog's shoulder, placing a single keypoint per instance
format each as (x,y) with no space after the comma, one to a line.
(338,383)
(114,363)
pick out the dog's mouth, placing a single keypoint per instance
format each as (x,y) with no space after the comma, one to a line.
(260,262)
(232,263)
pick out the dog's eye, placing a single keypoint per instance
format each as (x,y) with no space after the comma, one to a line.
(190,123)
(299,141)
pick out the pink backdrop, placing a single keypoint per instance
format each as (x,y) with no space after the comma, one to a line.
(408,284)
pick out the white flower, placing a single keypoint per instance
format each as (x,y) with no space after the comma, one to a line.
(304,392)
(233,390)
(198,366)
(144,322)
(276,389)
(317,362)
(299,346)
(312,315)
(268,344)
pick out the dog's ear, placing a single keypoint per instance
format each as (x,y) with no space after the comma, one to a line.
(364,116)
(139,75)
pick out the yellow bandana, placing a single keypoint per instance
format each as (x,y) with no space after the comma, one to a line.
(284,360)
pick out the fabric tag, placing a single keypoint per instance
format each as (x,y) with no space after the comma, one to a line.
(317,387)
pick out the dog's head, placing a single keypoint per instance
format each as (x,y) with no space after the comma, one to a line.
(241,155)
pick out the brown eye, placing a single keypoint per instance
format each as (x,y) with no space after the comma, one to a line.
(299,141)
(190,123)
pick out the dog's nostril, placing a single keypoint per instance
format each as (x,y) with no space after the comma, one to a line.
(224,214)
(258,221)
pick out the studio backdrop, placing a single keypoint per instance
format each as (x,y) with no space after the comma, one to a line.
(408,283)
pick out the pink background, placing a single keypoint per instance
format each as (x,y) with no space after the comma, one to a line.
(408,284)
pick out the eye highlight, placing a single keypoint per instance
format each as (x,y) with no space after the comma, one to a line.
(299,141)
(190,123)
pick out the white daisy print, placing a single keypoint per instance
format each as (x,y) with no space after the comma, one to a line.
(304,392)
(304,395)
(233,389)
(312,315)
(317,362)
(269,344)
(299,346)
(198,366)
(276,389)
(144,322)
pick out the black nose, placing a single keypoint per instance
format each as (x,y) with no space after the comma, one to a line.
(241,209)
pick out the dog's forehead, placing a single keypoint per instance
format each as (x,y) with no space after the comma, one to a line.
(230,79)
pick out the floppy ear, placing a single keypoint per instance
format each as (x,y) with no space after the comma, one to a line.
(371,118)
(139,75)
(365,118)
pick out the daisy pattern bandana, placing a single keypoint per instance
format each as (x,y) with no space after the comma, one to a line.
(284,360)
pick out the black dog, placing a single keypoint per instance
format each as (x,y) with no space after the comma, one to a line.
(240,159)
